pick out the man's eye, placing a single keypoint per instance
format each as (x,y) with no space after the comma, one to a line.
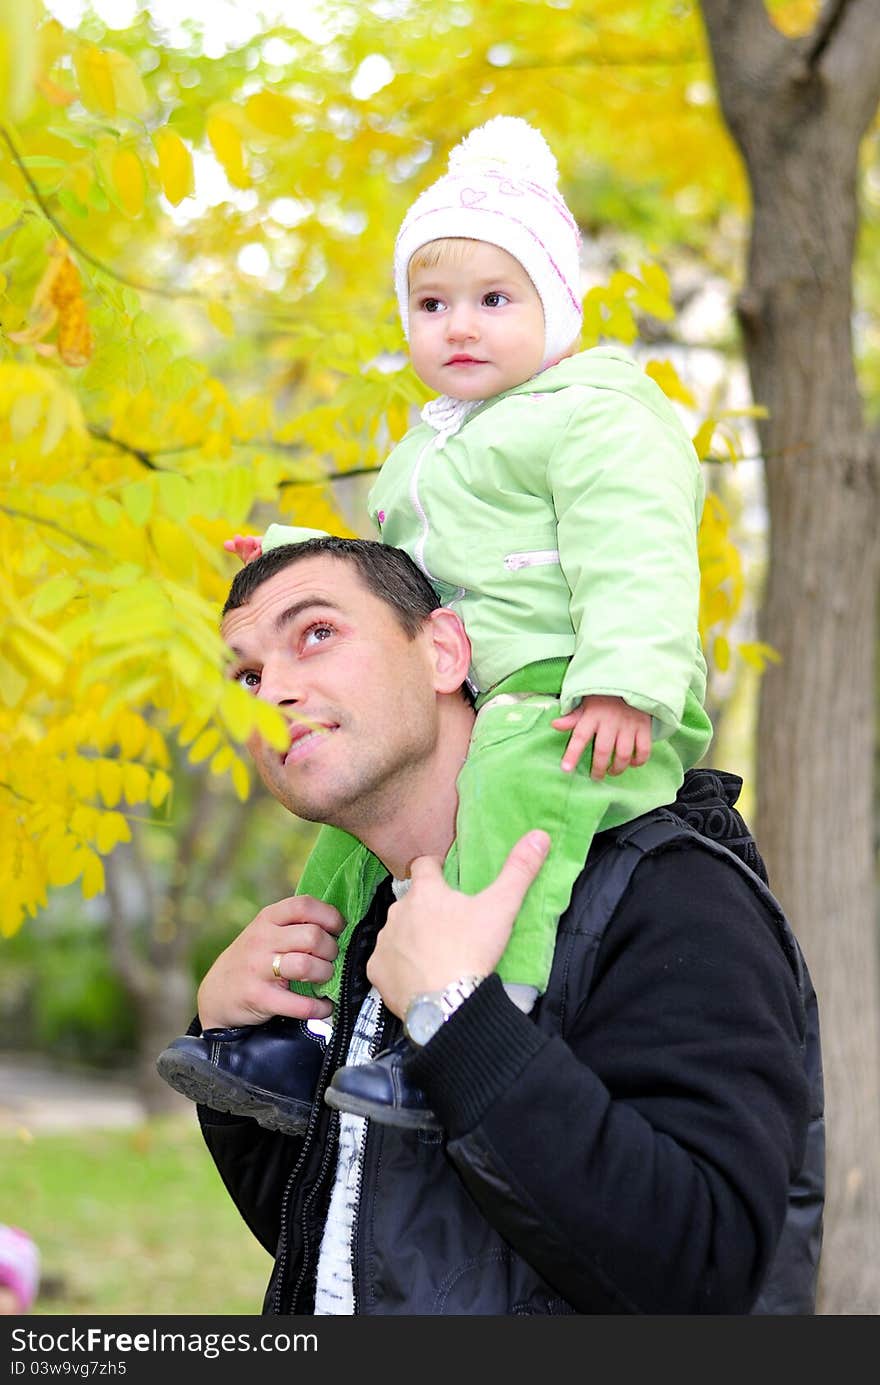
(317,634)
(495,300)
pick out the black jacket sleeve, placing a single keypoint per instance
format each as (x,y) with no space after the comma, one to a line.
(642,1162)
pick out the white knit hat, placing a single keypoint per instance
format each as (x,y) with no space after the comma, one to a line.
(502,188)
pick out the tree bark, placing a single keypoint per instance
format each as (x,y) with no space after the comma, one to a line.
(798,110)
(150,941)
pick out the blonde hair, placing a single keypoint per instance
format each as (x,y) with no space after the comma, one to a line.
(448,250)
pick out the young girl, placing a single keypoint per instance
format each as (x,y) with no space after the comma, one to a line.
(553,500)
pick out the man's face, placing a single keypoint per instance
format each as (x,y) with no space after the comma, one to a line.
(315,642)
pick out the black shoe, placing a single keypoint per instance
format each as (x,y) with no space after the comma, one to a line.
(383,1091)
(268,1072)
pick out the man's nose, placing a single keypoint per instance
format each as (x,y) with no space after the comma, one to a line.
(280,683)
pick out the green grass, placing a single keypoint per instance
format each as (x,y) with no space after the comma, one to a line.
(131,1222)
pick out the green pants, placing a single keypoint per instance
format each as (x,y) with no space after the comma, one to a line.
(510,783)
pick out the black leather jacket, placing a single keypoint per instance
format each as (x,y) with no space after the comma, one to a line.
(627,1148)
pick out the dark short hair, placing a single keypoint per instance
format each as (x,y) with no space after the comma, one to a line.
(389,573)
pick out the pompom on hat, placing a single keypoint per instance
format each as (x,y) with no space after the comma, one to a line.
(502,187)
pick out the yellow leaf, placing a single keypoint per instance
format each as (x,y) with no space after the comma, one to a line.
(715,607)
(93,882)
(83,776)
(721,654)
(221,317)
(138,501)
(175,166)
(222,760)
(270,112)
(54,594)
(205,745)
(95,78)
(655,278)
(313,508)
(131,94)
(25,414)
(225,141)
(174,547)
(112,829)
(135,783)
(12,684)
(666,376)
(758,654)
(240,779)
(110,782)
(128,181)
(132,733)
(398,420)
(109,82)
(63,865)
(36,657)
(703,438)
(237,711)
(19,52)
(160,788)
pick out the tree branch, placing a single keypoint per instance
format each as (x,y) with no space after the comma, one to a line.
(826,25)
(49,524)
(127,965)
(845,46)
(137,452)
(744,45)
(76,245)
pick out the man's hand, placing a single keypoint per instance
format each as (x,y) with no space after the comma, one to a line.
(240,988)
(245,547)
(622,735)
(435,934)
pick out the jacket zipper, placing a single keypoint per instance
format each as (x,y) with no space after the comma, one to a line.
(376,1046)
(540,557)
(340,1033)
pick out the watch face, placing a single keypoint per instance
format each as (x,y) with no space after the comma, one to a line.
(423,1018)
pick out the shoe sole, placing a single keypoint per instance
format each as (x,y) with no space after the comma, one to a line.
(209,1086)
(402,1117)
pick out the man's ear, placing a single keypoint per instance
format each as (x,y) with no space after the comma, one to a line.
(450,649)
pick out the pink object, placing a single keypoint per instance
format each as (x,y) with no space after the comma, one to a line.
(381,516)
(19,1265)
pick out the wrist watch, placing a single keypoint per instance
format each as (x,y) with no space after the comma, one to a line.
(428,1011)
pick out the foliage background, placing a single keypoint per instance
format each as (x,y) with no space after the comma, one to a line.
(197,334)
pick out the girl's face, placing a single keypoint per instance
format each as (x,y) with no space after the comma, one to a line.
(476,325)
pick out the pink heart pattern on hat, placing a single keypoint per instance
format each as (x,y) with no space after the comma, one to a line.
(471,196)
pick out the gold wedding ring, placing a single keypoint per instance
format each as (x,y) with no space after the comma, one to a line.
(276,965)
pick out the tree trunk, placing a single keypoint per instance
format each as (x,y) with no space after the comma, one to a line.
(163,1013)
(798,110)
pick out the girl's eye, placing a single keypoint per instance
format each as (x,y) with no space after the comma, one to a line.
(248,678)
(317,634)
(431,305)
(495,300)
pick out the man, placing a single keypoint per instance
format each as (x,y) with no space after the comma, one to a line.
(628,1147)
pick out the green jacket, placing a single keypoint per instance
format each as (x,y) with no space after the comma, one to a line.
(561,520)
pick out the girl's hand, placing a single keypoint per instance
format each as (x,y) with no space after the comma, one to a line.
(621,735)
(245,547)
